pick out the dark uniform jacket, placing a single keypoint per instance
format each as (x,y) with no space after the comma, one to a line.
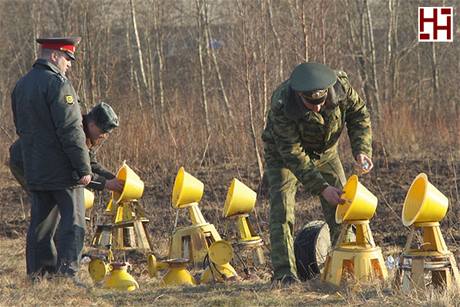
(295,137)
(100,173)
(49,123)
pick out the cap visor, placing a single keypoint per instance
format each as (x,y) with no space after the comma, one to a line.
(71,55)
(316,101)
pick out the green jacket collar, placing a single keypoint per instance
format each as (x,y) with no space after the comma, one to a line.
(45,64)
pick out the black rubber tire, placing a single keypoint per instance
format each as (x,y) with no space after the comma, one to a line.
(305,250)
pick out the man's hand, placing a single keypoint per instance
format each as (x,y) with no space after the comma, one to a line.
(85,180)
(115,185)
(364,163)
(332,195)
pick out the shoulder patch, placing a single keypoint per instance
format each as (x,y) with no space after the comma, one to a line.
(69,99)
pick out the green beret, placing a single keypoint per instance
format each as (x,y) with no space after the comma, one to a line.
(307,77)
(104,117)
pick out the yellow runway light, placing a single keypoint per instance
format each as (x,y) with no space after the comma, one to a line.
(361,259)
(424,206)
(133,186)
(360,203)
(187,189)
(424,202)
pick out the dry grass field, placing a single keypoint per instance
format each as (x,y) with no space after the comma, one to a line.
(16,290)
(389,182)
(191,82)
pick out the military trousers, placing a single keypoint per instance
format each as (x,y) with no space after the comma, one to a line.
(282,189)
(49,254)
(44,252)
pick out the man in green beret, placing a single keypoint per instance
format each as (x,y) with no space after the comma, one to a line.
(307,115)
(97,125)
(55,157)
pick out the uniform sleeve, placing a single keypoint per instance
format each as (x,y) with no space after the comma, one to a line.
(100,173)
(358,121)
(16,154)
(67,119)
(287,140)
(13,108)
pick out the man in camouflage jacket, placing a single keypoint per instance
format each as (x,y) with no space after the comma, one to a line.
(308,113)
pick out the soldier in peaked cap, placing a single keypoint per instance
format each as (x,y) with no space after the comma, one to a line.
(64,44)
(55,157)
(308,113)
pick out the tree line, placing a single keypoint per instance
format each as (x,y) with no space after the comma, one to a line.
(192,79)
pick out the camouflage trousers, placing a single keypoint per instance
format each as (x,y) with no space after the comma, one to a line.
(283,187)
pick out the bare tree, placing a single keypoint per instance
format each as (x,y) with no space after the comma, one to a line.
(247,82)
(388,57)
(200,29)
(279,47)
(212,53)
(363,50)
(262,49)
(158,9)
(138,44)
(372,59)
(434,71)
(304,31)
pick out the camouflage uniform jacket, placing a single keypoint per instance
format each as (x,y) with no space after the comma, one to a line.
(295,137)
(49,123)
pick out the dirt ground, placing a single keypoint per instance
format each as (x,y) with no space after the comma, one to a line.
(389,182)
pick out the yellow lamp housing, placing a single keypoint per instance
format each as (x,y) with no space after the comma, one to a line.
(240,199)
(98,269)
(133,185)
(187,192)
(119,278)
(360,203)
(187,189)
(423,202)
(88,197)
(220,252)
